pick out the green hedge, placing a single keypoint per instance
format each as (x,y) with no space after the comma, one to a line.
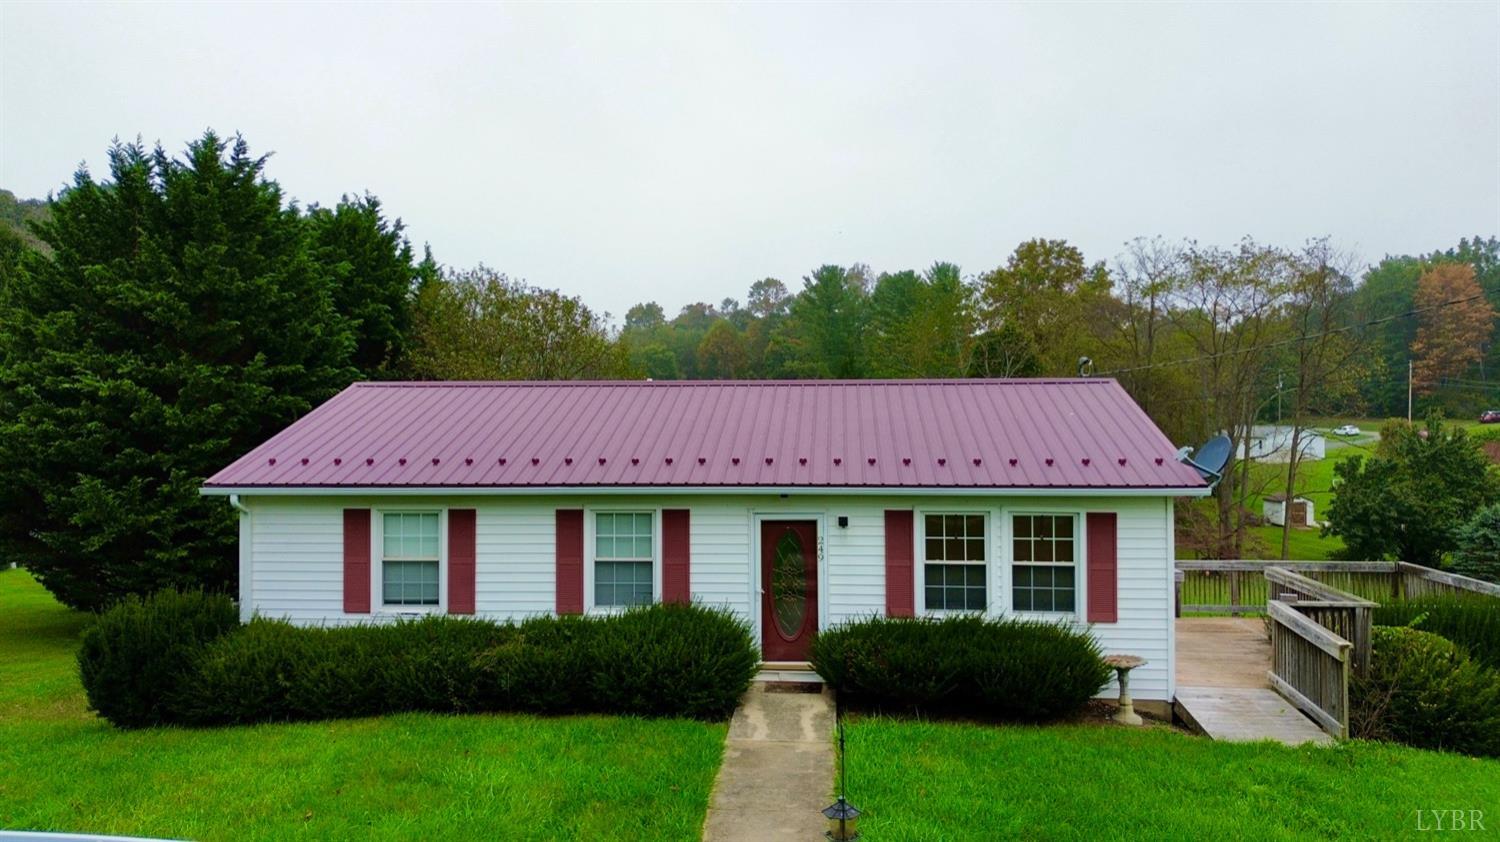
(962,666)
(662,660)
(1472,622)
(1424,691)
(137,652)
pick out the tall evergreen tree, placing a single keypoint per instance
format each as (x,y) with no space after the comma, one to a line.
(178,319)
(373,279)
(822,336)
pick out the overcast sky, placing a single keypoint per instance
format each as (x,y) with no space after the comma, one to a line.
(678,153)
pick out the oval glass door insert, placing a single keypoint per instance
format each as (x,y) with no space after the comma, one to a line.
(789,585)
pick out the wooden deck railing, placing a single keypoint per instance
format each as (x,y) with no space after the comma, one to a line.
(1342,613)
(1239,586)
(1310,667)
(1416,580)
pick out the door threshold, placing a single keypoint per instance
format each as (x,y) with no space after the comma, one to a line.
(773,673)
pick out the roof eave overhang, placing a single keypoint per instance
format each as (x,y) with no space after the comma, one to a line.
(605,490)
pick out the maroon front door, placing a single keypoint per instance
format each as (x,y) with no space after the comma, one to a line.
(789,582)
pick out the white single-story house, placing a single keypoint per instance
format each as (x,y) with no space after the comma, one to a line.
(1273,509)
(798,505)
(1273,443)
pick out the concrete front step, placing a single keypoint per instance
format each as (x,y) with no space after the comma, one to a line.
(788,672)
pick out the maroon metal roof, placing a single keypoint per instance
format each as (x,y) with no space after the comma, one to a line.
(1084,433)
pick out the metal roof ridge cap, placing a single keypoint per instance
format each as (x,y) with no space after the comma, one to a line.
(920,381)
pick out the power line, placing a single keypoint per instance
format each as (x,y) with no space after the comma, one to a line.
(1296,340)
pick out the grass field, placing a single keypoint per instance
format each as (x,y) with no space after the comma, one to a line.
(400,777)
(932,781)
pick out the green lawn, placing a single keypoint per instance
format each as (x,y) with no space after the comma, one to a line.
(399,777)
(1315,482)
(934,781)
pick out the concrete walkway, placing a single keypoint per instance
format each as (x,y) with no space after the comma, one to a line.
(777,774)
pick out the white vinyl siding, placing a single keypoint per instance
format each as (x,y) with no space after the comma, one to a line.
(296,557)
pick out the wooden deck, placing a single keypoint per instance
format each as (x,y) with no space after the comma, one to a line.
(1222,690)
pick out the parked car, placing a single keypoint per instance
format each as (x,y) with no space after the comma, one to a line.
(1346,430)
(1490,416)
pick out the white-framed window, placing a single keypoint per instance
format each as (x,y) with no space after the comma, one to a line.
(624,558)
(955,561)
(1044,563)
(410,572)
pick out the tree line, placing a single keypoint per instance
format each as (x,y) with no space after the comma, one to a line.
(157,323)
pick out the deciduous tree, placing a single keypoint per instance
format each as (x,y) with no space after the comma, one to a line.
(1409,501)
(481,325)
(1455,324)
(722,353)
(1048,292)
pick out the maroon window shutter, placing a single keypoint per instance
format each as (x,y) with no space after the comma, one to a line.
(1103,571)
(570,561)
(676,584)
(356,561)
(461,560)
(899,538)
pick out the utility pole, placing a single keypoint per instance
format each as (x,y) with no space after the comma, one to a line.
(1408,390)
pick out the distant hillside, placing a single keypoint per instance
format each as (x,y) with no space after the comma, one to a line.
(15,213)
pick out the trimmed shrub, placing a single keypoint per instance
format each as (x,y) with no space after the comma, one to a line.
(672,660)
(1422,690)
(662,660)
(965,666)
(274,671)
(1471,621)
(135,653)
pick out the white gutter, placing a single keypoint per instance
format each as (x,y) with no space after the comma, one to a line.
(234,500)
(234,492)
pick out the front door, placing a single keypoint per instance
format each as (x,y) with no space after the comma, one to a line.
(789,582)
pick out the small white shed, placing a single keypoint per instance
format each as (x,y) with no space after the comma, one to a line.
(1274,509)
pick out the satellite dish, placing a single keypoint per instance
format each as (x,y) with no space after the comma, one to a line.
(1211,457)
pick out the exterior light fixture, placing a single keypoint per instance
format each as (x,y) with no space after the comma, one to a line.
(843,817)
(843,521)
(843,821)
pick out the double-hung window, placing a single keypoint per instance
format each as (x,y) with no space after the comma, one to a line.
(954,562)
(1044,562)
(624,555)
(409,558)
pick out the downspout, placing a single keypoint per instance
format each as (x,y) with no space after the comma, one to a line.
(246,558)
